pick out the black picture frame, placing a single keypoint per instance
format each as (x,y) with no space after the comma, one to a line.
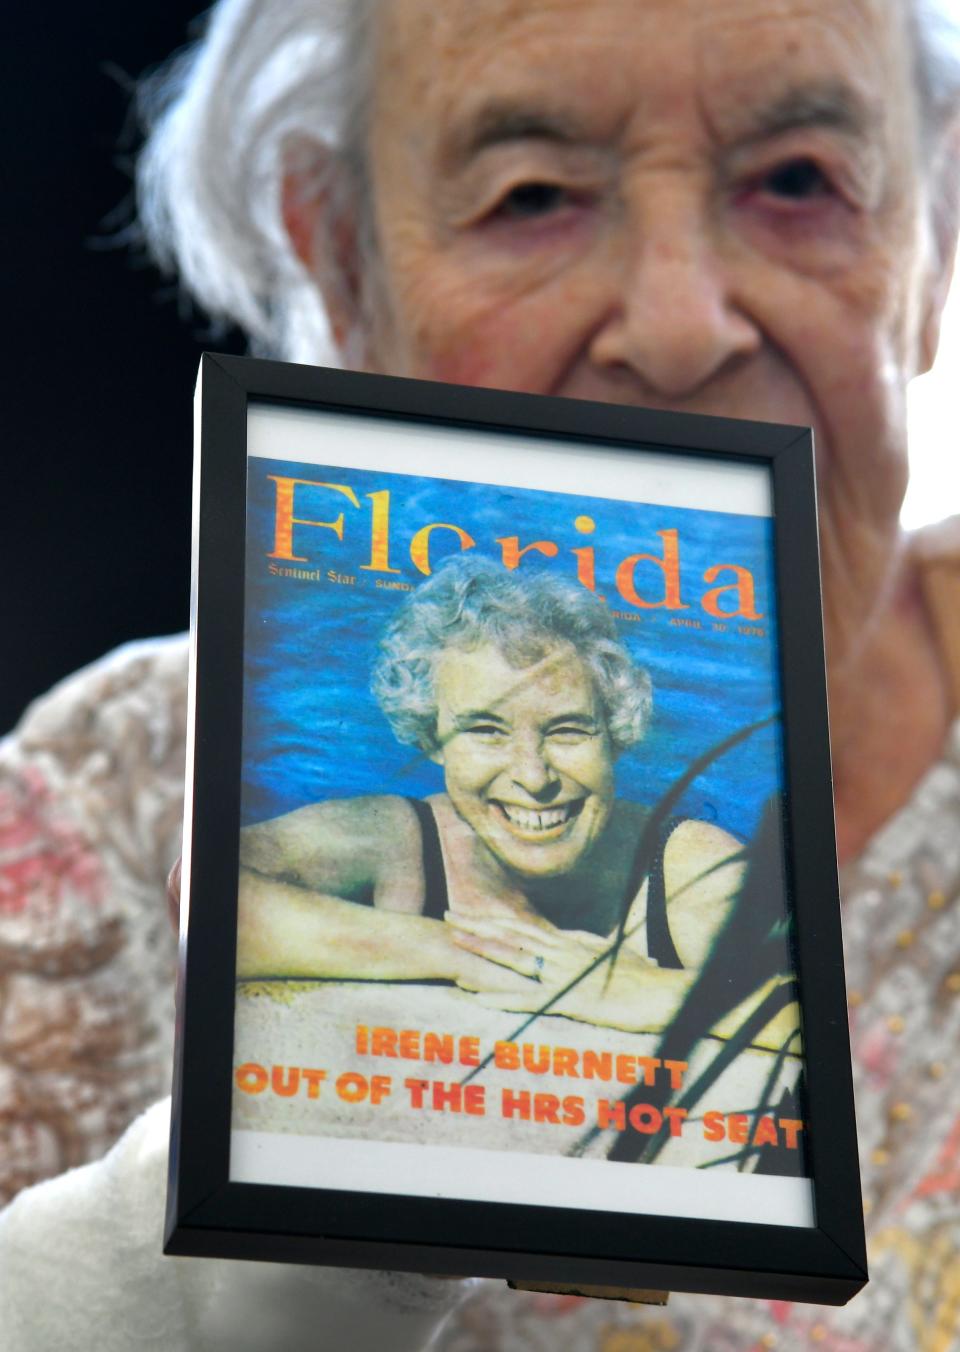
(207,1214)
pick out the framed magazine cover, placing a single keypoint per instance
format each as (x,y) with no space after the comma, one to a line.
(510,938)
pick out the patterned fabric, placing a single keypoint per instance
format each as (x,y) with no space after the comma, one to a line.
(902,941)
(91,801)
(90,804)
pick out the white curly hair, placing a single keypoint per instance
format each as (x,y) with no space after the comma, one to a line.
(471,600)
(225,117)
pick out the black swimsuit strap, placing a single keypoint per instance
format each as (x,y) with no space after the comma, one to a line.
(435,904)
(660,945)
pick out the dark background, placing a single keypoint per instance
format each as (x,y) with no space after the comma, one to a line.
(95,536)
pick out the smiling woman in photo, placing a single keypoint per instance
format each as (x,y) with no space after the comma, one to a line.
(516,878)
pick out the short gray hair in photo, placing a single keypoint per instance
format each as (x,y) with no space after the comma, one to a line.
(471,600)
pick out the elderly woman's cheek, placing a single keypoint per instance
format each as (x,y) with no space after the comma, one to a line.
(862,260)
(509,337)
(816,239)
(501,307)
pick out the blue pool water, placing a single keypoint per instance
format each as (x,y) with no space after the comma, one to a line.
(312,730)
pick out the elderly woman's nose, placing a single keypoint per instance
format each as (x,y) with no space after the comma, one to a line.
(530,767)
(674,318)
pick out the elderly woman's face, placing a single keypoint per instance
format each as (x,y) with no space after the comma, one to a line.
(711,206)
(526,756)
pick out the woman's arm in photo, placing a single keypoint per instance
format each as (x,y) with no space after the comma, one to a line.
(285,930)
(531,962)
(574,977)
(335,890)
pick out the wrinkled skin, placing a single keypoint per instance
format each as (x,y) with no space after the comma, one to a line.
(714,208)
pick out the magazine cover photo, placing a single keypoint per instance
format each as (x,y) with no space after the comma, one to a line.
(512,920)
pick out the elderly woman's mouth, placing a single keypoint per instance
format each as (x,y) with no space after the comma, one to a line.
(540,819)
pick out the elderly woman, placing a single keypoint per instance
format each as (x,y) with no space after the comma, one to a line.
(746,207)
(521,692)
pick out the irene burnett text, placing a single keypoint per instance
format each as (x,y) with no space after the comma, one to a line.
(455,1090)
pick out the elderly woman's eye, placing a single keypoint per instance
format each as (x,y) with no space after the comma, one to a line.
(529,200)
(797,180)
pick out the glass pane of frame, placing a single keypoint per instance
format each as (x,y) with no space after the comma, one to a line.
(513,916)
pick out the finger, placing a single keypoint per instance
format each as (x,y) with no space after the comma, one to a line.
(535,936)
(503,953)
(483,925)
(491,941)
(536,931)
(173,894)
(492,978)
(471,924)
(521,924)
(521,960)
(595,942)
